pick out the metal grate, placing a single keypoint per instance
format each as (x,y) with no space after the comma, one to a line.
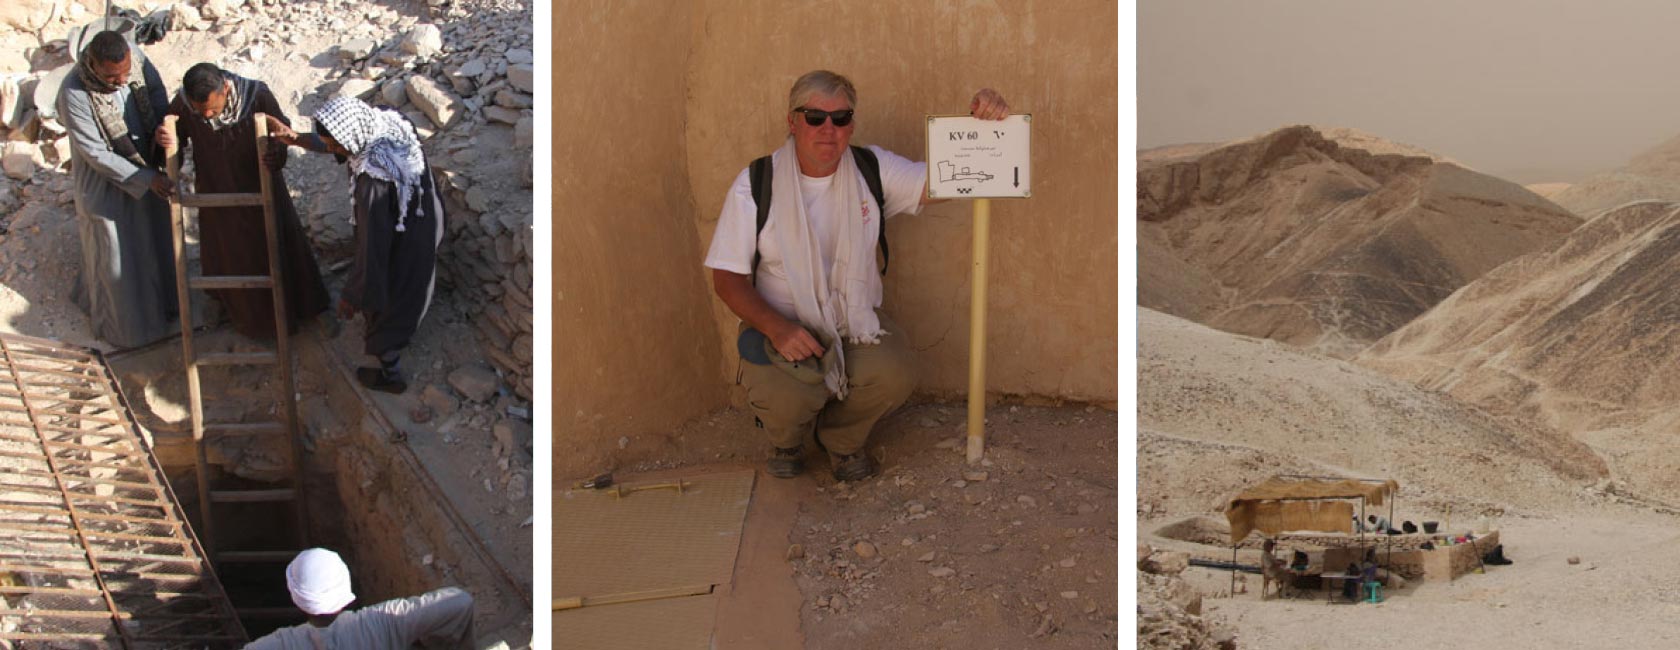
(95,552)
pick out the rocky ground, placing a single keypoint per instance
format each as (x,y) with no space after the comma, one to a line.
(1018,552)
(462,70)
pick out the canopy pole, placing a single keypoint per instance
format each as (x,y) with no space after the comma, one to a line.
(1234,574)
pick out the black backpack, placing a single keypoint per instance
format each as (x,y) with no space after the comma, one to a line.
(761,171)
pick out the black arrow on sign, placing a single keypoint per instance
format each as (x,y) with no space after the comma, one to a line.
(1017,177)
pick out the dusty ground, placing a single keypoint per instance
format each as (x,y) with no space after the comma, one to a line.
(1023,558)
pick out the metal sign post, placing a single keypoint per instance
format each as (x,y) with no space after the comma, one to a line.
(977,333)
(970,158)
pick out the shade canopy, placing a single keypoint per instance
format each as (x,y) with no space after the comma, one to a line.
(1285,503)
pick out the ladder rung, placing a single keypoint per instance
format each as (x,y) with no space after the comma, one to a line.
(231,282)
(266,612)
(194,200)
(256,556)
(252,496)
(232,429)
(236,358)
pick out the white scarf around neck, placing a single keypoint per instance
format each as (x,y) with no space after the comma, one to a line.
(837,302)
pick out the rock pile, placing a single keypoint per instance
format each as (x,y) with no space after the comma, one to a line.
(1169,610)
(464,75)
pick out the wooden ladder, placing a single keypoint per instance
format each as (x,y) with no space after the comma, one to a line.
(209,497)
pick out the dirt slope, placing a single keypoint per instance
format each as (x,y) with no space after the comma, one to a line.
(1580,336)
(1217,412)
(1294,237)
(1650,176)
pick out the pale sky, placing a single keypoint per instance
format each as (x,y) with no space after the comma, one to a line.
(1530,91)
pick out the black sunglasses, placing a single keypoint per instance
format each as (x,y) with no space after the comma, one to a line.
(814,117)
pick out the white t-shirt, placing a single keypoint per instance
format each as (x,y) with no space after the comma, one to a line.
(902,183)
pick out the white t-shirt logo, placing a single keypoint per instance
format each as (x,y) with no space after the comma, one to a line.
(865,205)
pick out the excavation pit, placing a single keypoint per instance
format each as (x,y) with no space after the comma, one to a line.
(75,449)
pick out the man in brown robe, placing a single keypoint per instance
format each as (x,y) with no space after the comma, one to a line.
(215,109)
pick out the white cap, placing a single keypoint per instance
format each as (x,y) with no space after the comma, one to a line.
(320,582)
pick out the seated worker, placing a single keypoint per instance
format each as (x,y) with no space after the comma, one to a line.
(1381,525)
(1272,569)
(319,583)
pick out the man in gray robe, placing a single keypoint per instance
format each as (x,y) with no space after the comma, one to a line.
(319,582)
(111,104)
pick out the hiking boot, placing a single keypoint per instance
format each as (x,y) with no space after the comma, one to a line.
(786,463)
(382,379)
(853,467)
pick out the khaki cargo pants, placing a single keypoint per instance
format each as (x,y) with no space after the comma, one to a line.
(881,376)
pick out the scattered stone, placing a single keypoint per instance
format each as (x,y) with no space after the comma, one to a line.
(517,56)
(915,508)
(21,159)
(439,401)
(358,88)
(518,486)
(511,435)
(795,552)
(471,69)
(908,541)
(439,105)
(1574,560)
(1086,508)
(837,602)
(420,414)
(1027,501)
(975,475)
(1070,595)
(865,550)
(475,383)
(927,557)
(1166,563)
(423,40)
(356,49)
(942,572)
(948,443)
(503,115)
(395,92)
(960,484)
(1067,563)
(523,132)
(624,442)
(523,77)
(511,99)
(987,548)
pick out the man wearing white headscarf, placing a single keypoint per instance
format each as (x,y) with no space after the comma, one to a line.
(399,216)
(806,286)
(319,583)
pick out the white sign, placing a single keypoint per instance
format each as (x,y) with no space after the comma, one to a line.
(971,158)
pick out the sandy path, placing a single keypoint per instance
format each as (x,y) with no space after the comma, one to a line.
(1621,595)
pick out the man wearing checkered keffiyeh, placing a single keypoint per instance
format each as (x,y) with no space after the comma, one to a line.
(398,213)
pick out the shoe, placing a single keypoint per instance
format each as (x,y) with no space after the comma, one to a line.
(382,379)
(786,463)
(853,467)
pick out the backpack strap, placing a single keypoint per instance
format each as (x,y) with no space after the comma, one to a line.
(761,176)
(871,170)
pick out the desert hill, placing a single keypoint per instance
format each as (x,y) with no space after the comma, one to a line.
(1217,412)
(1650,176)
(1322,239)
(1581,336)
